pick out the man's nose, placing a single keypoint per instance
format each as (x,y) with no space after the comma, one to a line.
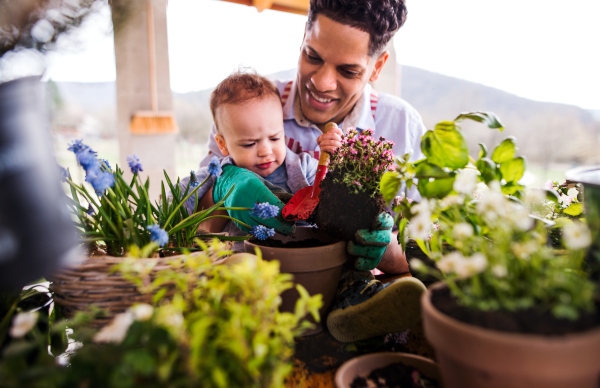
(324,79)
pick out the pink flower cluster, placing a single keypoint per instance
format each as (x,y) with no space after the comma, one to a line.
(362,160)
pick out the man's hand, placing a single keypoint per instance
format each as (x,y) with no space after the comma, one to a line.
(331,140)
(371,243)
(248,191)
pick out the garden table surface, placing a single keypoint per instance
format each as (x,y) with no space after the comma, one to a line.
(318,357)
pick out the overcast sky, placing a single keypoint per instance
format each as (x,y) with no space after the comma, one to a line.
(540,49)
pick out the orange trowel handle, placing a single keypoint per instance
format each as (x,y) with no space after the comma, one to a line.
(323,162)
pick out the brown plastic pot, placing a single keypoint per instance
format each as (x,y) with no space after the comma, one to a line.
(470,356)
(316,268)
(362,366)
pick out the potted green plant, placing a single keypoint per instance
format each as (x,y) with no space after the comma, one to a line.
(221,327)
(350,198)
(510,312)
(115,217)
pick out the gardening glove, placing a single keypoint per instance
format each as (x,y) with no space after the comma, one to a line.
(371,244)
(248,191)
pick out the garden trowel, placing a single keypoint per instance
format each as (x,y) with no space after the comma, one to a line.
(304,202)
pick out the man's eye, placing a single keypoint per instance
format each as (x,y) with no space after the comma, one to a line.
(312,58)
(350,73)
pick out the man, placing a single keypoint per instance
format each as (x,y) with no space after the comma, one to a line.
(343,49)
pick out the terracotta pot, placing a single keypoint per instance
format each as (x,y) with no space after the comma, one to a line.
(363,365)
(317,268)
(470,356)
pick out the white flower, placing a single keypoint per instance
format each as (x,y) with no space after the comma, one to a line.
(549,184)
(465,181)
(520,217)
(573,193)
(23,323)
(522,250)
(495,186)
(565,200)
(470,266)
(419,227)
(450,262)
(452,200)
(417,264)
(142,312)
(422,208)
(577,235)
(115,331)
(462,231)
(499,271)
(533,196)
(492,205)
(480,189)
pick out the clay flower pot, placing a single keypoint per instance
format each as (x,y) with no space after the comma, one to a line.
(363,365)
(316,268)
(470,356)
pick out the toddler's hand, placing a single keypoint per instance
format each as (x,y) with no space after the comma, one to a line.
(331,140)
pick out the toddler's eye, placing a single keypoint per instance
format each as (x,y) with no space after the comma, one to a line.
(274,138)
(247,145)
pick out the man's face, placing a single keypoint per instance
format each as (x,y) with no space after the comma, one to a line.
(252,134)
(333,69)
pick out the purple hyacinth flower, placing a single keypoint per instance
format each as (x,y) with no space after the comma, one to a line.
(158,235)
(214,167)
(261,232)
(264,210)
(100,181)
(134,163)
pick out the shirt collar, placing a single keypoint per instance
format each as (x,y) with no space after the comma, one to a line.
(360,116)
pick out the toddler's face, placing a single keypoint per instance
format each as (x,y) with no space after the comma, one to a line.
(252,134)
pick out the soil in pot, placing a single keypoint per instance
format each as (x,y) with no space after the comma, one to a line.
(530,321)
(397,375)
(340,212)
(271,243)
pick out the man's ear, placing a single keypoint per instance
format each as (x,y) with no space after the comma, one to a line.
(379,65)
(221,144)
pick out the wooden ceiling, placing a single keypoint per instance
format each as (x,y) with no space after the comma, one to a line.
(293,6)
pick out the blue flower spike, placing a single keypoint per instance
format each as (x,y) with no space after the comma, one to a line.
(193,180)
(106,164)
(90,210)
(100,180)
(261,232)
(134,163)
(264,210)
(64,174)
(158,235)
(214,167)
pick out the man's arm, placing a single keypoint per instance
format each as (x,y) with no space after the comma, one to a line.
(393,261)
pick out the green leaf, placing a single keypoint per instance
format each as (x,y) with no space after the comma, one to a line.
(483,152)
(513,170)
(511,188)
(423,245)
(437,188)
(561,222)
(505,150)
(575,209)
(488,170)
(445,146)
(389,186)
(428,170)
(487,118)
(551,195)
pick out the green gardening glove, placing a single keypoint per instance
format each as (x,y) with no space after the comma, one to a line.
(371,243)
(248,191)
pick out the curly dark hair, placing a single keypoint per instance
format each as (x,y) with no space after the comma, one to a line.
(380,18)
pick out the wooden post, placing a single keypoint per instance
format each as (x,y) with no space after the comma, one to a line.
(156,151)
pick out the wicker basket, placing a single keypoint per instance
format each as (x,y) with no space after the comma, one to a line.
(93,282)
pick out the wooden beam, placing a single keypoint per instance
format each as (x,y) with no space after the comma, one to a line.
(299,7)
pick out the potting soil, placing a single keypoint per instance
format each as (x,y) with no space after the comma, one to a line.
(341,213)
(396,375)
(530,321)
(308,243)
